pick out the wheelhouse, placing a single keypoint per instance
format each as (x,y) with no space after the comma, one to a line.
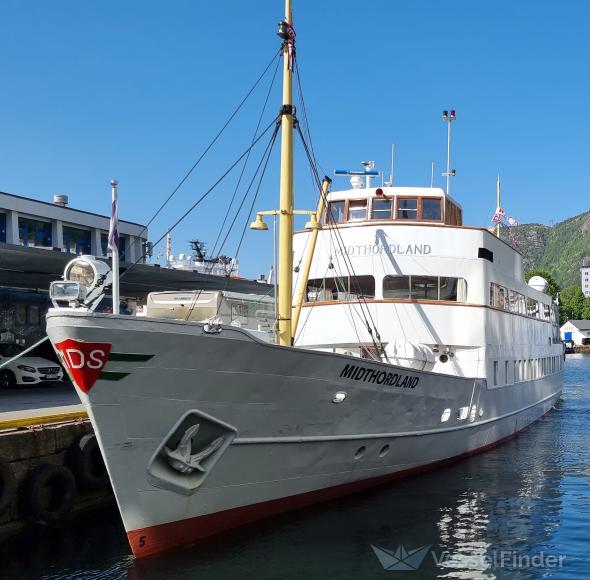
(384,204)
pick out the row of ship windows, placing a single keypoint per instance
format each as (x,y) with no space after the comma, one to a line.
(350,288)
(399,208)
(524,370)
(501,297)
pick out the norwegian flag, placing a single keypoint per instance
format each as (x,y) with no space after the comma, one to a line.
(114,225)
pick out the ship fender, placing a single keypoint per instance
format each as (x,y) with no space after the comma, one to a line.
(7,487)
(47,493)
(85,461)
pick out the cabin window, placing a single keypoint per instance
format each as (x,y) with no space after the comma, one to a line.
(396,287)
(453,289)
(424,287)
(342,288)
(381,209)
(335,212)
(407,208)
(532,307)
(431,209)
(357,209)
(547,311)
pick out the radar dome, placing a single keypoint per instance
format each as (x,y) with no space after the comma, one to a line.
(539,283)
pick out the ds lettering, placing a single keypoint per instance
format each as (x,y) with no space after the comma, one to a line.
(77,360)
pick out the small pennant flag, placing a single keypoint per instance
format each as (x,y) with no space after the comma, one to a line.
(114,225)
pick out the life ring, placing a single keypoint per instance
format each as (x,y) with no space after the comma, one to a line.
(7,486)
(85,461)
(47,493)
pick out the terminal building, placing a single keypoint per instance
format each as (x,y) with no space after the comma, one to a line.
(38,239)
(55,226)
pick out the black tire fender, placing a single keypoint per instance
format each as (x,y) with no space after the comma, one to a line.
(85,461)
(48,493)
(7,486)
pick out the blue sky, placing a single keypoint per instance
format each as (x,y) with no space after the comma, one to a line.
(136,90)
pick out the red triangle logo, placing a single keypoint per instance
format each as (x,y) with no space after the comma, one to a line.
(84,360)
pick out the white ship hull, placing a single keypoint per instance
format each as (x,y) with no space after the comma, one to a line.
(286,443)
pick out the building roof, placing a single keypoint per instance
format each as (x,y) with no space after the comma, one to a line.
(66,208)
(580,324)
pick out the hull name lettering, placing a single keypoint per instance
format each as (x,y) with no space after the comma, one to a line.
(368,375)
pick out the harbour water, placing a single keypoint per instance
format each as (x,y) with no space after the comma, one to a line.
(521,510)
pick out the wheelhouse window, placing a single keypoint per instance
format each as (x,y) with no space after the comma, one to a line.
(345,288)
(335,212)
(381,209)
(357,209)
(407,208)
(425,288)
(431,209)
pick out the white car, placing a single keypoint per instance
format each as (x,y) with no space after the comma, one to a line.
(27,370)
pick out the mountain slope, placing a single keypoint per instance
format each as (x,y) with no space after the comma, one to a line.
(558,249)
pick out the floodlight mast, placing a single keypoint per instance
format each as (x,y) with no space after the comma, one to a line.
(449,117)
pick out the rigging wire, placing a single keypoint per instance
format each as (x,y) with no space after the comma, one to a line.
(207,149)
(263,163)
(244,166)
(204,195)
(371,327)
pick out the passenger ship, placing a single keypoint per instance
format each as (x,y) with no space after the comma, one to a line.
(414,341)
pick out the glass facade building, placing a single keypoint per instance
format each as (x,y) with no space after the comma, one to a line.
(34,233)
(76,241)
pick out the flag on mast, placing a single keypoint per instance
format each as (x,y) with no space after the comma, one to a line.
(113,242)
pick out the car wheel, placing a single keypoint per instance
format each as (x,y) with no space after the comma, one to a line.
(7,379)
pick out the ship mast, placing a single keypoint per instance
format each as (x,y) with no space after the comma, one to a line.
(285,278)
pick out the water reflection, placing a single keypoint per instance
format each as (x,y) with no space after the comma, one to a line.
(526,497)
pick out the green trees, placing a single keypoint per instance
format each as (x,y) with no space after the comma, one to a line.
(573,305)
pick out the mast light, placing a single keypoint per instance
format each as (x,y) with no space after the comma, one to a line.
(259,223)
(283,31)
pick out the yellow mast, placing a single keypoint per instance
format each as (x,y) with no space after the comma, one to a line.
(307,267)
(285,278)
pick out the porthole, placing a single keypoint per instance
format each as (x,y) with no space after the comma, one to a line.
(339,397)
(481,411)
(462,413)
(384,451)
(360,452)
(445,416)
(443,358)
